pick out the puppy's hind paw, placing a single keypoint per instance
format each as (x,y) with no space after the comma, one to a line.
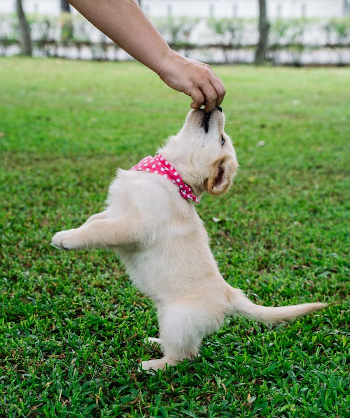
(151,340)
(152,365)
(157,364)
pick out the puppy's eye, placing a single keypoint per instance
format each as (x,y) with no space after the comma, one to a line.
(222,141)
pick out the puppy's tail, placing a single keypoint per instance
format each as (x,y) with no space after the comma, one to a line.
(241,305)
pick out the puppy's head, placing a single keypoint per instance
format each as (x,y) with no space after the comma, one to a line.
(203,153)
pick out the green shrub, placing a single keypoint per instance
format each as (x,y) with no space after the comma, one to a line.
(339,30)
(231,30)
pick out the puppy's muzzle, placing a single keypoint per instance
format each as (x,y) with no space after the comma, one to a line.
(206,118)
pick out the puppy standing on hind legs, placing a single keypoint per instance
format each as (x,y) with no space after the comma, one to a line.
(151,222)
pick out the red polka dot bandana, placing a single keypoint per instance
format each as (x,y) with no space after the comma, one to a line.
(159,165)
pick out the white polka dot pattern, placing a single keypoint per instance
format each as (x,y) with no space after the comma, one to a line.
(159,165)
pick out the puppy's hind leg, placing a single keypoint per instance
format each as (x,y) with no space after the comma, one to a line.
(182,327)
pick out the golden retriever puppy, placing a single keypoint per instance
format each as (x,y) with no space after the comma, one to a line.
(151,222)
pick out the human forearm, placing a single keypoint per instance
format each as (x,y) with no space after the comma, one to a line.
(124,22)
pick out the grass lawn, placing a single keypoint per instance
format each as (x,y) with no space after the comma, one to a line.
(71,325)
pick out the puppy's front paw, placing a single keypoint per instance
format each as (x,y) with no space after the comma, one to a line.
(67,240)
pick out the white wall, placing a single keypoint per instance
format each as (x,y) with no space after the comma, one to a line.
(32,6)
(243,8)
(205,8)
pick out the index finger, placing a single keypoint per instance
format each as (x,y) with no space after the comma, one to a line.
(219,88)
(210,97)
(214,92)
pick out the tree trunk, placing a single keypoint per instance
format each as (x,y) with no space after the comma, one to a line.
(65,7)
(346,8)
(264,26)
(66,21)
(24,30)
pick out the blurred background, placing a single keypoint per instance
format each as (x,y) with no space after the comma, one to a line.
(282,32)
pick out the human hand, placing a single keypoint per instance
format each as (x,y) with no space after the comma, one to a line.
(193,78)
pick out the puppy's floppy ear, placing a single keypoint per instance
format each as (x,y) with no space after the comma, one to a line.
(221,174)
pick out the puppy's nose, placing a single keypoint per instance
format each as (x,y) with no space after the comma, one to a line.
(219,108)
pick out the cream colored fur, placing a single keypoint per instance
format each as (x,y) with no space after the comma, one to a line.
(164,245)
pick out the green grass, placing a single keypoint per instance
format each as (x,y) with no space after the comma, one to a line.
(72,326)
